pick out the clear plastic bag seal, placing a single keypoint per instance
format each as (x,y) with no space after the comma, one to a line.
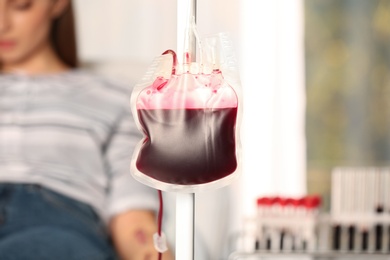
(160,67)
(190,116)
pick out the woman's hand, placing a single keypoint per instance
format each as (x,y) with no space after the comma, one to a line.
(132,234)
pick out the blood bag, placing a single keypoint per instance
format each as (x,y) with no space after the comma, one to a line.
(189,115)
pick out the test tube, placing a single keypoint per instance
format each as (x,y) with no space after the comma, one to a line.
(284,217)
(336,237)
(336,208)
(282,237)
(291,205)
(351,237)
(298,230)
(263,214)
(355,208)
(364,235)
(348,198)
(370,210)
(312,206)
(378,211)
(274,230)
(386,238)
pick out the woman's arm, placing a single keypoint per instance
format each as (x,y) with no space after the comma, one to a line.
(132,234)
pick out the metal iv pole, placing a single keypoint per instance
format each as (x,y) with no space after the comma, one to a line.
(185,202)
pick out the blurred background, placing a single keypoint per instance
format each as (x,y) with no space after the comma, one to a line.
(316,87)
(347,56)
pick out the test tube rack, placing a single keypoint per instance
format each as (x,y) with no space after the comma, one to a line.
(358,222)
(360,209)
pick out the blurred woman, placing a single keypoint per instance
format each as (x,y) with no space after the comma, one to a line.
(66,139)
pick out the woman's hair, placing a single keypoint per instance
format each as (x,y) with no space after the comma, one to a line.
(63,37)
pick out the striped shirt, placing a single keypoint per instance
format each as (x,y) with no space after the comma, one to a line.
(74,133)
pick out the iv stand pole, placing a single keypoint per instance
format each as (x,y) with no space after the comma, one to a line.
(185,202)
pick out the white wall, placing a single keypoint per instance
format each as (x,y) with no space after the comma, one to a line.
(123,29)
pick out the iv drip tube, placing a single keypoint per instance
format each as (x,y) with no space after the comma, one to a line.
(185,202)
(186,17)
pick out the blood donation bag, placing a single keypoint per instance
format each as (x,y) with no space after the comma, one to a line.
(189,116)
